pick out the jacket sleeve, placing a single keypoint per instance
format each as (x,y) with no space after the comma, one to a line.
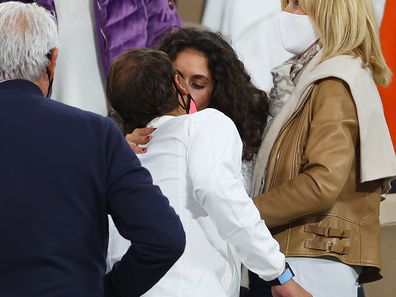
(214,164)
(142,215)
(328,157)
(122,25)
(47,4)
(162,17)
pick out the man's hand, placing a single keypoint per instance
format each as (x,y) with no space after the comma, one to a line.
(139,137)
(289,289)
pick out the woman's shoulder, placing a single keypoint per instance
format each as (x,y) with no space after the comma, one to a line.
(333,95)
(332,87)
(332,84)
(346,68)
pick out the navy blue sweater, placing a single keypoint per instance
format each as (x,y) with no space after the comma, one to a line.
(62,170)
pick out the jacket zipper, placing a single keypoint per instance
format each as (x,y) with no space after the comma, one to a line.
(278,155)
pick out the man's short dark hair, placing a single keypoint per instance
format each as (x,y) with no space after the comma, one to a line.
(140,87)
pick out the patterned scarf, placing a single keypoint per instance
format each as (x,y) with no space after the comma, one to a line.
(285,77)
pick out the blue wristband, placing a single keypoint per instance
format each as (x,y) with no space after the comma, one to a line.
(284,277)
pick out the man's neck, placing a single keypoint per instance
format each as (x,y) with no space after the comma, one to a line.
(42,83)
(177,112)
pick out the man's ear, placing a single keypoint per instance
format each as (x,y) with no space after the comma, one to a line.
(181,85)
(52,62)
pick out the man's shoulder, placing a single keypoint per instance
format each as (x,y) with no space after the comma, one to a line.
(210,117)
(73,114)
(212,112)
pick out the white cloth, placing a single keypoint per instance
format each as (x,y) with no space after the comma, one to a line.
(325,278)
(254,30)
(78,80)
(379,7)
(196,161)
(214,13)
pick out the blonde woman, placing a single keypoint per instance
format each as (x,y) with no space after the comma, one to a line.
(325,159)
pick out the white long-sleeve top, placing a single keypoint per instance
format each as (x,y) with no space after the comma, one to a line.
(196,161)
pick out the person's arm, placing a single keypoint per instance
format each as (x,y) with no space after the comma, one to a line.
(162,17)
(121,25)
(289,289)
(214,164)
(139,137)
(329,155)
(142,215)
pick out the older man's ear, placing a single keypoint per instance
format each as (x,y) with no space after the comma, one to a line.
(52,62)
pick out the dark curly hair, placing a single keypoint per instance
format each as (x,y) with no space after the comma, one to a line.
(140,88)
(234,93)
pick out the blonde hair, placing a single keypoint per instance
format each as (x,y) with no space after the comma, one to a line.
(349,27)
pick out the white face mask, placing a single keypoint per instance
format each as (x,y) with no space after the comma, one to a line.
(297,32)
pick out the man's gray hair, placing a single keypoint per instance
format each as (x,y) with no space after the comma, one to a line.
(28,33)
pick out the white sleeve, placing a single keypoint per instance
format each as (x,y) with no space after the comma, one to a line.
(214,163)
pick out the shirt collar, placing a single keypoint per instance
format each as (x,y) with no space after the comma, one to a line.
(159,121)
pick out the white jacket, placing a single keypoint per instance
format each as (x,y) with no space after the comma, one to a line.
(196,161)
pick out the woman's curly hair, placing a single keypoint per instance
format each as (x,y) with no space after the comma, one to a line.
(234,93)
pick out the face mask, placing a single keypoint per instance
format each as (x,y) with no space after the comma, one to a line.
(297,32)
(49,85)
(189,106)
(192,107)
(50,81)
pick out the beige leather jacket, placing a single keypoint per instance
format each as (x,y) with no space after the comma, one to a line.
(313,199)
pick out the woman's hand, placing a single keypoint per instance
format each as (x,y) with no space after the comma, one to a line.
(139,137)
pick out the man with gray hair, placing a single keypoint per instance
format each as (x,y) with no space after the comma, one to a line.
(62,171)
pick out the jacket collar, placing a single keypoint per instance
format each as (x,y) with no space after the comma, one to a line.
(21,86)
(377,156)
